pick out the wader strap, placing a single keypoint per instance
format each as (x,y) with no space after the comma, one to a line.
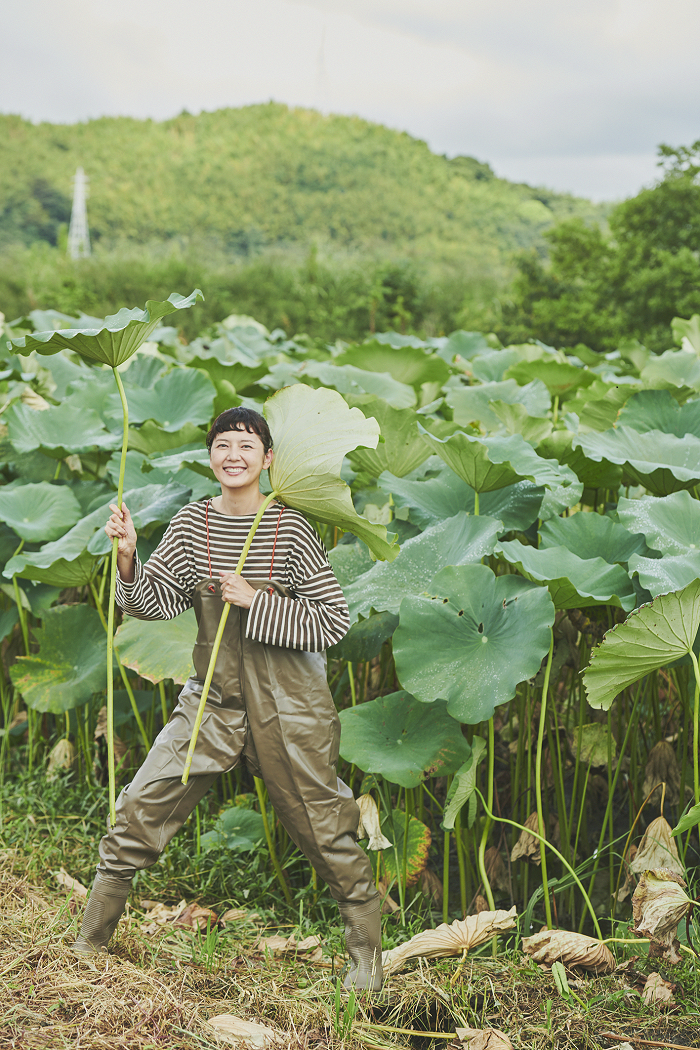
(274,545)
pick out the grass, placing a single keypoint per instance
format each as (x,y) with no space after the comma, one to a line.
(160,990)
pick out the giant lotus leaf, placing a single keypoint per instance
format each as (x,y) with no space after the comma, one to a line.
(403,448)
(489,463)
(651,637)
(593,536)
(452,542)
(115,339)
(572,581)
(659,410)
(39,512)
(670,573)
(472,403)
(158,649)
(473,641)
(670,524)
(403,739)
(182,396)
(55,432)
(408,364)
(313,430)
(662,463)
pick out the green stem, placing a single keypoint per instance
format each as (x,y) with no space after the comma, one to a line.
(217,640)
(270,844)
(696,722)
(163,705)
(538,783)
(476,504)
(351,676)
(110,608)
(446,877)
(462,867)
(485,831)
(543,843)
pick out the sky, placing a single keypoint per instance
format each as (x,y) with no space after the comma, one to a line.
(574,95)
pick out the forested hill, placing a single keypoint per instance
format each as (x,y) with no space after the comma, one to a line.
(267,175)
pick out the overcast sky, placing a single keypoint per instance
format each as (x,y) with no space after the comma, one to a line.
(571,94)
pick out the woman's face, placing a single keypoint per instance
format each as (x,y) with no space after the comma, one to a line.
(237,459)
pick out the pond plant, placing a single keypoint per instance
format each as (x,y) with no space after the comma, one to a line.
(517,533)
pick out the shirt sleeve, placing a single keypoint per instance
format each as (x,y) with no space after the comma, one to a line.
(316,617)
(162,588)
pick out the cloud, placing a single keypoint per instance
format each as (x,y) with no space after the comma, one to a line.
(554,89)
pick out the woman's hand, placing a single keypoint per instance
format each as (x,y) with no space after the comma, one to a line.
(235,590)
(121,526)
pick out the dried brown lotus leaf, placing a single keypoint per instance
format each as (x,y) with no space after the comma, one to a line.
(232,1029)
(496,869)
(69,883)
(430,884)
(484,1039)
(657,991)
(480,904)
(571,949)
(460,936)
(528,847)
(62,757)
(658,905)
(657,849)
(369,825)
(662,767)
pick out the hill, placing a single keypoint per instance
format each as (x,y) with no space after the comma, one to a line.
(267,175)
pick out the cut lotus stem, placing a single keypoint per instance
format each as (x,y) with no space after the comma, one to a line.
(217,640)
(110,610)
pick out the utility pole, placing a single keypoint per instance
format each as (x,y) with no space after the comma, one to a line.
(78,235)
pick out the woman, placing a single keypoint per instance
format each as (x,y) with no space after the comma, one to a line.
(269,701)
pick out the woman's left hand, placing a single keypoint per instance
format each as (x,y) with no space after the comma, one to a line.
(235,590)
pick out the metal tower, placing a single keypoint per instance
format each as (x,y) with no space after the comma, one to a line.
(78,235)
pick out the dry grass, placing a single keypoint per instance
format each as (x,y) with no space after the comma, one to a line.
(156,992)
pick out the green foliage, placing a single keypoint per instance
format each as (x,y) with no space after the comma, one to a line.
(158,649)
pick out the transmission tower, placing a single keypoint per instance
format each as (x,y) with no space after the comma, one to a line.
(78,235)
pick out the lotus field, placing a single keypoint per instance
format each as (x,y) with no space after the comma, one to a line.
(517,532)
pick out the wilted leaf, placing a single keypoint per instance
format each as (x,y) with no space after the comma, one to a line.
(658,905)
(235,1030)
(67,882)
(651,637)
(402,738)
(528,847)
(484,1038)
(419,839)
(657,991)
(657,849)
(461,935)
(662,767)
(369,826)
(572,949)
(62,758)
(313,430)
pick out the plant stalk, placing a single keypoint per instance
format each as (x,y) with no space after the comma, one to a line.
(217,640)
(538,783)
(487,822)
(696,723)
(270,843)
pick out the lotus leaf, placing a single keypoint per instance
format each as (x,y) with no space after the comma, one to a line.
(670,573)
(403,739)
(651,637)
(313,430)
(113,340)
(465,345)
(148,504)
(598,405)
(350,560)
(409,365)
(560,377)
(403,448)
(151,438)
(437,498)
(69,666)
(516,420)
(491,463)
(670,524)
(138,472)
(572,581)
(236,829)
(591,743)
(54,430)
(93,392)
(593,536)
(452,542)
(474,641)
(8,619)
(347,379)
(593,475)
(193,456)
(689,330)
(489,367)
(158,649)
(417,850)
(659,410)
(182,396)
(365,638)
(471,403)
(673,368)
(39,512)
(558,498)
(123,711)
(228,367)
(463,786)
(660,462)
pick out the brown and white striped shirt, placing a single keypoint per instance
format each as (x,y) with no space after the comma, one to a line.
(315,618)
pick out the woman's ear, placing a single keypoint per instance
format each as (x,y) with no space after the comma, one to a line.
(269,456)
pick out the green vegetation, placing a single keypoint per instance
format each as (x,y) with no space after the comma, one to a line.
(533,647)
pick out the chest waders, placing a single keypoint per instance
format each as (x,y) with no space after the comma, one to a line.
(272,707)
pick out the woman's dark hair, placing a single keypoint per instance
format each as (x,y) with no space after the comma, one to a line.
(241,419)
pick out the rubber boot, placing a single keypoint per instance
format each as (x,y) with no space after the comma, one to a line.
(103,912)
(363,939)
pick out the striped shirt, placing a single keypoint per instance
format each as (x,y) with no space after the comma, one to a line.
(315,618)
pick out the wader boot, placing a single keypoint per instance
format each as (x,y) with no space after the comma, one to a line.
(271,706)
(103,912)
(363,939)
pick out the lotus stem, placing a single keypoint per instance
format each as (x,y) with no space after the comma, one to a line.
(696,725)
(217,640)
(487,824)
(259,788)
(538,783)
(110,608)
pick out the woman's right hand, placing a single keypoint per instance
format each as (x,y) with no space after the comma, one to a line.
(121,526)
